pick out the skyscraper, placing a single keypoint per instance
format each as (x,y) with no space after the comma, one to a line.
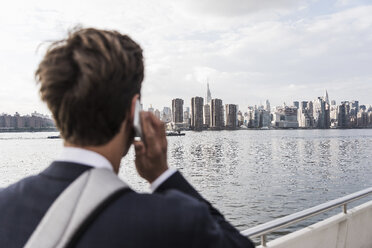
(166,116)
(355,107)
(326,98)
(207,115)
(209,95)
(231,111)
(305,115)
(285,117)
(240,118)
(268,108)
(321,112)
(216,114)
(157,113)
(186,115)
(197,113)
(177,110)
(342,115)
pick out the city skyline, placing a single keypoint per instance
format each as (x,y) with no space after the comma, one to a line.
(185,104)
(211,114)
(282,50)
(261,103)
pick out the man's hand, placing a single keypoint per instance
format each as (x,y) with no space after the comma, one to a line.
(151,152)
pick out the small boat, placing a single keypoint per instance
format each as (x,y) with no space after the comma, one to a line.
(174,133)
(54,137)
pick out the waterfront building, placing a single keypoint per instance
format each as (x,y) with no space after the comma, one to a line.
(157,113)
(231,111)
(304,104)
(305,115)
(207,118)
(265,119)
(258,117)
(255,117)
(216,114)
(33,121)
(362,118)
(327,113)
(5,121)
(354,107)
(285,117)
(186,115)
(197,113)
(207,115)
(333,114)
(321,112)
(268,107)
(342,118)
(19,121)
(166,115)
(177,110)
(353,110)
(347,116)
(248,117)
(240,119)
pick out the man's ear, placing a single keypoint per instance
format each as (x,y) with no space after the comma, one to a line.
(132,107)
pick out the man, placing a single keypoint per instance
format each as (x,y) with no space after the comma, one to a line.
(90,82)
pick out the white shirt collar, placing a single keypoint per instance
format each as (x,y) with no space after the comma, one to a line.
(84,156)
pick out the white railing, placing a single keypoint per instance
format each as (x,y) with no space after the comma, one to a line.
(268,227)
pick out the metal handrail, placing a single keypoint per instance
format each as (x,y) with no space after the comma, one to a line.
(268,227)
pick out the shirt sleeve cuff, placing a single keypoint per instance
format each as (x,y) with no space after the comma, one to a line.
(162,178)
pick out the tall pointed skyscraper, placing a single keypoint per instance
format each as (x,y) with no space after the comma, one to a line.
(326,98)
(209,95)
(207,108)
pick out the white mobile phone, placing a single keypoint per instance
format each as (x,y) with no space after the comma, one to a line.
(137,120)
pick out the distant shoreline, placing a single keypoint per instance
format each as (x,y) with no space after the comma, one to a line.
(23,130)
(28,130)
(273,129)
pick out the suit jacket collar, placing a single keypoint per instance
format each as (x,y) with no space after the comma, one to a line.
(66,171)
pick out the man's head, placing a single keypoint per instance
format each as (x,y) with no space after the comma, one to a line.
(88,82)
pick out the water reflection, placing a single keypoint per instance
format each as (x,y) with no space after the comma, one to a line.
(255,176)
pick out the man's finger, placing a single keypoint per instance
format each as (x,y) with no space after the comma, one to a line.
(140,151)
(149,133)
(139,148)
(158,125)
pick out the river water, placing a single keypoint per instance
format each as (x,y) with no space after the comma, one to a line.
(251,176)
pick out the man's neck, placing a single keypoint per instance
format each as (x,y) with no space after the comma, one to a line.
(115,149)
(105,151)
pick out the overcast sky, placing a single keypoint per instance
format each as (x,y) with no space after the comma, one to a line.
(250,51)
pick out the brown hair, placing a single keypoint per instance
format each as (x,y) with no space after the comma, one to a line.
(88,81)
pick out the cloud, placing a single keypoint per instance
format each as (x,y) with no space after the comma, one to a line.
(235,8)
(249,50)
